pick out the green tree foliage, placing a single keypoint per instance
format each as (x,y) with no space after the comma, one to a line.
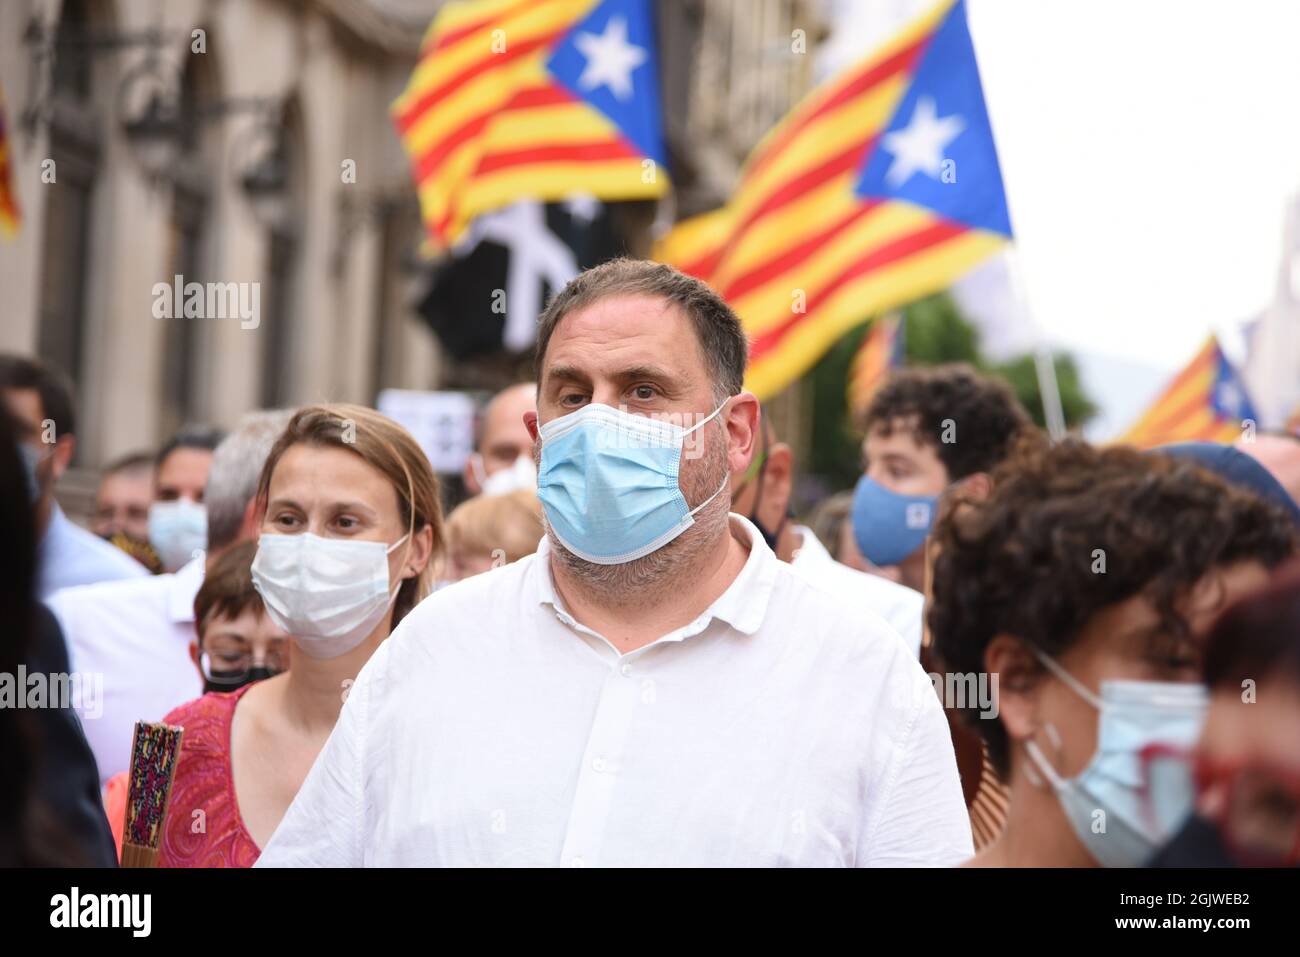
(1075,404)
(935,332)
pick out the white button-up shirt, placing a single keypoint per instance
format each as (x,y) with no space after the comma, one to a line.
(130,639)
(493,729)
(69,556)
(897,604)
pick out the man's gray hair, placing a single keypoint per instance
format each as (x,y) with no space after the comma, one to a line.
(236,467)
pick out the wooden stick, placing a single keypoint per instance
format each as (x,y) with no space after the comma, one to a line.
(155,752)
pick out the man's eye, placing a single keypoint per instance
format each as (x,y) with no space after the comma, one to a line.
(644,392)
(572,399)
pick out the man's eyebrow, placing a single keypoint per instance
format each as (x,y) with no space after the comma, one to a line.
(658,373)
(567,372)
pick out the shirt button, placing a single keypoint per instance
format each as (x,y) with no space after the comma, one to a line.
(625,670)
(577,862)
(598,765)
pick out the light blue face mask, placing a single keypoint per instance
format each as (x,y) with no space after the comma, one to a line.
(889,527)
(1105,803)
(178,531)
(608,483)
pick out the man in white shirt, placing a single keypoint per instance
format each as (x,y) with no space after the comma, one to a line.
(653,687)
(135,636)
(39,402)
(763,492)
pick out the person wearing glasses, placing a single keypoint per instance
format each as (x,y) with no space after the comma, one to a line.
(236,645)
(237,642)
(1081,589)
(1245,768)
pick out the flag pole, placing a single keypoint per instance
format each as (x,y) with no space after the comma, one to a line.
(1049,391)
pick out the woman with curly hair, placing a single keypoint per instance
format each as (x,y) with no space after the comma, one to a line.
(1081,587)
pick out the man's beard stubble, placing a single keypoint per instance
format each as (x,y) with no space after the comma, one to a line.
(643,580)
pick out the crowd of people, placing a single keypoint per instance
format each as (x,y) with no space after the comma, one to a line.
(624,648)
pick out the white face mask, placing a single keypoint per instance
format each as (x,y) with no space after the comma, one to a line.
(328,594)
(521,476)
(178,531)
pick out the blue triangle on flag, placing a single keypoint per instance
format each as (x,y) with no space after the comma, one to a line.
(1228,394)
(937,150)
(609,60)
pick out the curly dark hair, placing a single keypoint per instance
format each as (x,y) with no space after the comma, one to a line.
(1020,562)
(988,417)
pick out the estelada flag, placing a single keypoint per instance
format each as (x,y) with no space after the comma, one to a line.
(881,351)
(879,188)
(532,99)
(1206,402)
(9,215)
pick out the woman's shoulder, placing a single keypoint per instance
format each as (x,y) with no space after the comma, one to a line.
(211,712)
(204,828)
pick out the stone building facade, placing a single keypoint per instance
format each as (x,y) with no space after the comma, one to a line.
(284,176)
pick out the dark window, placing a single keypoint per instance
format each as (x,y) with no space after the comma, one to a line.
(182,337)
(65,260)
(277,324)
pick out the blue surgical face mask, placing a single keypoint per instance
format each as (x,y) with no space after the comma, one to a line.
(889,527)
(178,531)
(608,483)
(1105,803)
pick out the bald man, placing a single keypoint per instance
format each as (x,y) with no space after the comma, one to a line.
(502,460)
(1279,452)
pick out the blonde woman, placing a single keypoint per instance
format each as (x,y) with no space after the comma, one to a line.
(350,519)
(492,530)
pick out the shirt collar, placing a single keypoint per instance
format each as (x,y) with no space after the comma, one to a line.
(743,605)
(185,584)
(57,526)
(810,547)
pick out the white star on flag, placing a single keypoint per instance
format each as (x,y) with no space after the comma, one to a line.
(1229,398)
(610,59)
(919,146)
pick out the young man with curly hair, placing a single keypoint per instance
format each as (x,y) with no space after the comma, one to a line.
(927,429)
(1083,582)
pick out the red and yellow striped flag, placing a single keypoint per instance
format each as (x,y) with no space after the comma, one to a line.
(881,187)
(531,99)
(881,351)
(1205,402)
(9,215)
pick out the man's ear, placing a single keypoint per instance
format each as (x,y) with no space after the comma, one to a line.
(977,486)
(742,424)
(65,447)
(469,477)
(779,475)
(194,657)
(1019,676)
(530,423)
